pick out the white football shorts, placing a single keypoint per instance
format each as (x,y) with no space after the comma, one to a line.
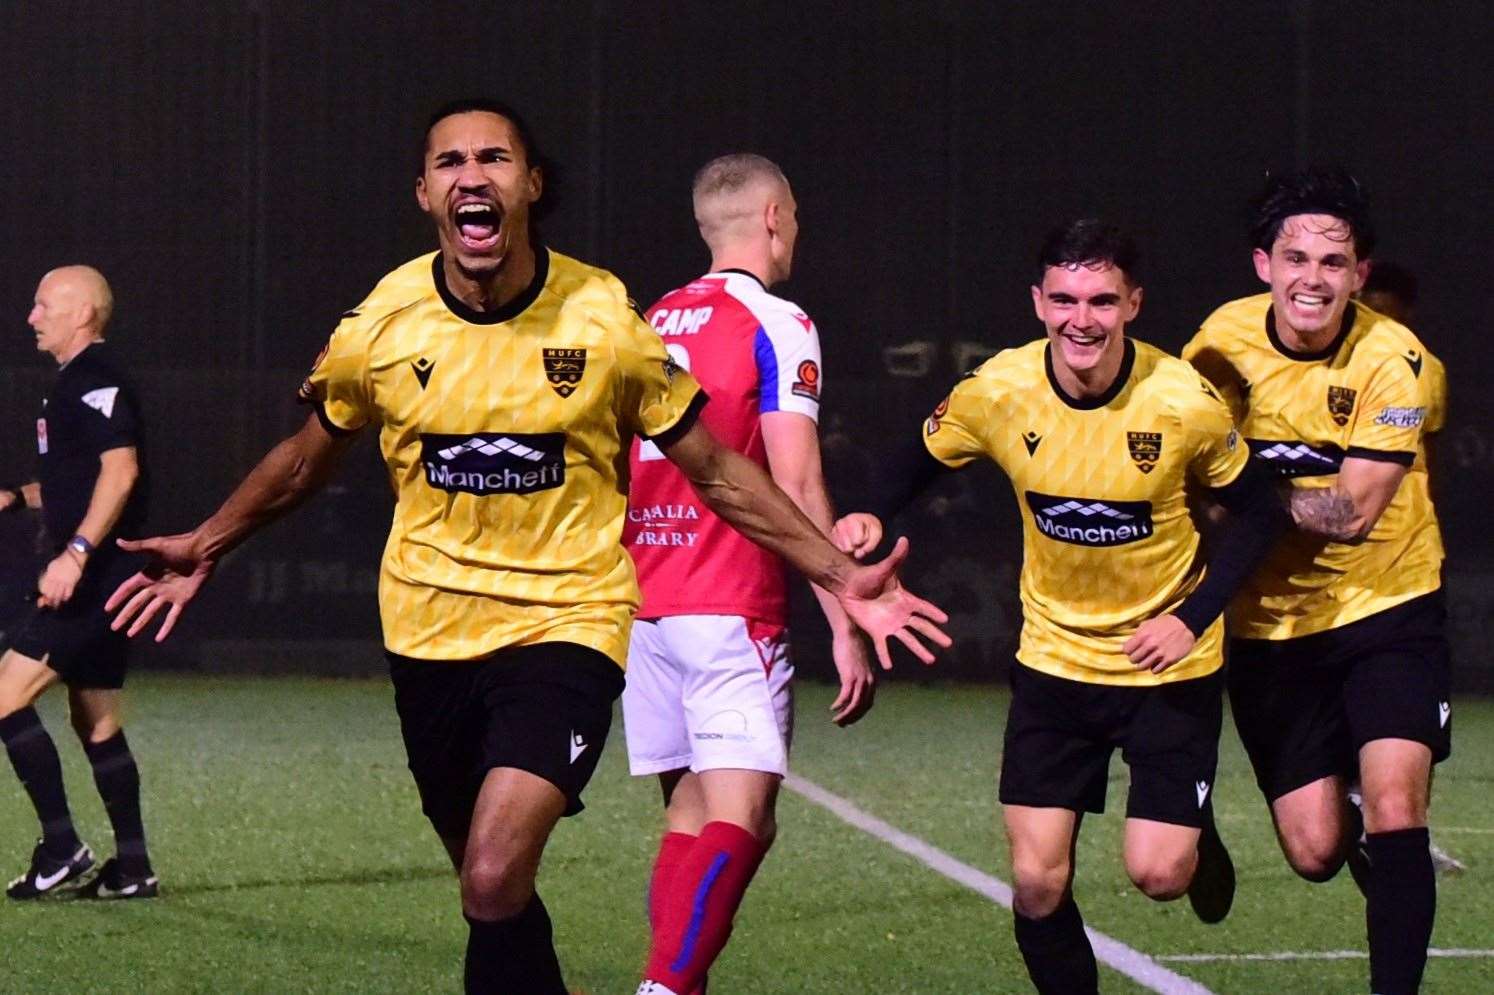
(708,692)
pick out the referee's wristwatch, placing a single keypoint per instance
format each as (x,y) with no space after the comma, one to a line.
(81,546)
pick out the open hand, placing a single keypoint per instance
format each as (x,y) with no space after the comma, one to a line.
(175,574)
(881,607)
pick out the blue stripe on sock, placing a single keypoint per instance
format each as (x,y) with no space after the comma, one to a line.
(697,914)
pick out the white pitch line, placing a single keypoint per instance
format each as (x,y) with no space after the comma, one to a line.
(1464,829)
(1308,955)
(1132,963)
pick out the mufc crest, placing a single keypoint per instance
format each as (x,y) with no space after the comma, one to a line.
(1146,449)
(1341,404)
(563,368)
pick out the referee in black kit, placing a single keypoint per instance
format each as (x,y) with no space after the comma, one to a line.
(91,490)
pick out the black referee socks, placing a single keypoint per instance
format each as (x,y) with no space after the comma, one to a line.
(1059,959)
(118,781)
(34,756)
(513,956)
(1401,902)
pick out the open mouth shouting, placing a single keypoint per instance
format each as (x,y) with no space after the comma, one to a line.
(479,224)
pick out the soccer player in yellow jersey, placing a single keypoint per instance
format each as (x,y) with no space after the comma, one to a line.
(1338,658)
(1102,436)
(507,382)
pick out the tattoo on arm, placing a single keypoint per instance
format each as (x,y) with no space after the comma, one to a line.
(1324,511)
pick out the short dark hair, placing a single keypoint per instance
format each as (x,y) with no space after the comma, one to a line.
(1091,242)
(1394,279)
(549,168)
(1319,190)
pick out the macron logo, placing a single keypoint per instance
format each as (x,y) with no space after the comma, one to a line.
(1444,712)
(1202,787)
(578,745)
(102,400)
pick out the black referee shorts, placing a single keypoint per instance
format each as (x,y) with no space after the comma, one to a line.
(75,639)
(1305,706)
(544,708)
(1060,735)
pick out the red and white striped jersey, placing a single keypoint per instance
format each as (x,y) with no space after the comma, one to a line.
(752,353)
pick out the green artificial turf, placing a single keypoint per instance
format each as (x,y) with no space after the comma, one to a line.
(294,858)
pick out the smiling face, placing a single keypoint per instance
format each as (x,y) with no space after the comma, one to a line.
(1313,272)
(1085,308)
(478,187)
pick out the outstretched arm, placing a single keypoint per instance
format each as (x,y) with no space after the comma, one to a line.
(181,564)
(792,443)
(744,495)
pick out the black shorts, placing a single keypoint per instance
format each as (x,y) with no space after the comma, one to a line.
(75,640)
(544,708)
(1305,706)
(1060,735)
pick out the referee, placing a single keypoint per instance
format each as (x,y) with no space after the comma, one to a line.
(507,381)
(91,490)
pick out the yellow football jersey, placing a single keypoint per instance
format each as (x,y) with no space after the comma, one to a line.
(1108,541)
(506,438)
(1365,396)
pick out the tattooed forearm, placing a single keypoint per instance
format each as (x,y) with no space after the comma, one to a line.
(1325,511)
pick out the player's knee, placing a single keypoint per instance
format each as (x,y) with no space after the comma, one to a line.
(91,730)
(1395,810)
(1161,877)
(495,888)
(1315,856)
(1038,887)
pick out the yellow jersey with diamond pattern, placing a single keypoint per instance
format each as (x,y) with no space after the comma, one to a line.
(506,438)
(1100,483)
(1365,395)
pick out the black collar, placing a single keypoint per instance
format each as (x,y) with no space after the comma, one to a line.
(1327,352)
(511,310)
(1128,360)
(755,278)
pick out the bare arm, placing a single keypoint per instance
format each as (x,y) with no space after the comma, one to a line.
(1348,510)
(288,475)
(793,448)
(743,494)
(792,442)
(118,471)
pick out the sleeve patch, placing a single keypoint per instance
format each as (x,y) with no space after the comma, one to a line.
(1401,417)
(102,400)
(306,393)
(932,424)
(807,383)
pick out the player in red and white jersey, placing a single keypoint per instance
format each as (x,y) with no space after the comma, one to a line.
(707,706)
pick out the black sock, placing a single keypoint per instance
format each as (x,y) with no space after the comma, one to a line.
(1401,904)
(1059,959)
(34,756)
(118,781)
(513,957)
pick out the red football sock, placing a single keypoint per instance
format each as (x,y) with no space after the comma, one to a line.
(672,850)
(694,919)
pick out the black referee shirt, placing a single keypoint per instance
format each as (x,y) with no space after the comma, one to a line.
(91,408)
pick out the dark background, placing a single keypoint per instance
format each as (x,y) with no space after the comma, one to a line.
(243,172)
